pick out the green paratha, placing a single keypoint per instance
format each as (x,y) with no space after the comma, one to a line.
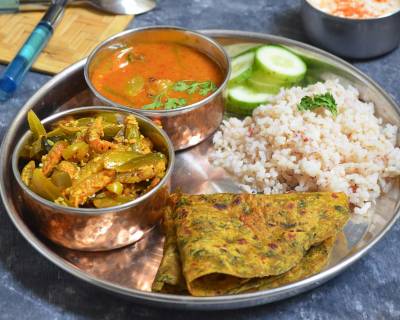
(229,243)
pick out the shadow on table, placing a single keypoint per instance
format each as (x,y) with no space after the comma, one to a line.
(287,23)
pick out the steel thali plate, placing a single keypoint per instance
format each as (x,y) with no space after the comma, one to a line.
(130,271)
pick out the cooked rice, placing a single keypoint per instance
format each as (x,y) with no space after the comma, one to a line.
(280,148)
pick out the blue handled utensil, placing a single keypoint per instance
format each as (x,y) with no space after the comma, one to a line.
(19,66)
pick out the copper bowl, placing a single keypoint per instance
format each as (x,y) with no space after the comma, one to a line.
(189,125)
(93,229)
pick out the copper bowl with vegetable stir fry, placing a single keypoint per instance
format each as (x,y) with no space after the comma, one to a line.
(176,77)
(95,178)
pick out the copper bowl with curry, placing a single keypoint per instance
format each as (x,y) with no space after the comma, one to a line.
(63,186)
(176,77)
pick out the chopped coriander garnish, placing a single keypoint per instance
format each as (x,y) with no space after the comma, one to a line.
(157,103)
(169,104)
(203,88)
(173,103)
(190,87)
(181,86)
(326,101)
(206,88)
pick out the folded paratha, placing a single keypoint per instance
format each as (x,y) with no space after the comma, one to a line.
(229,243)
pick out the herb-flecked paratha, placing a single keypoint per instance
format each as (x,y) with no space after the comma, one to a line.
(228,243)
(315,259)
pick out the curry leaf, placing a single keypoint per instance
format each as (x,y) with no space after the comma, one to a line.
(326,101)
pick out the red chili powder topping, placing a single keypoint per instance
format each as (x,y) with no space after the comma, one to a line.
(354,8)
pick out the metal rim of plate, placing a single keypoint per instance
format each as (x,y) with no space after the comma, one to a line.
(179,301)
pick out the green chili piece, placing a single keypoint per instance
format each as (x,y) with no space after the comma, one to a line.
(27,172)
(116,158)
(43,186)
(84,122)
(35,125)
(57,132)
(69,129)
(110,117)
(115,187)
(132,129)
(36,148)
(151,159)
(61,179)
(111,129)
(105,202)
(76,151)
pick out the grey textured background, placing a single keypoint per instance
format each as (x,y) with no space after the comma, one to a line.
(33,288)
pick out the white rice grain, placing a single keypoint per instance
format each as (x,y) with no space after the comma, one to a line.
(280,148)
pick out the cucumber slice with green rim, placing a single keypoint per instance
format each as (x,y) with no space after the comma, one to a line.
(264,86)
(244,99)
(279,63)
(260,76)
(234,50)
(242,67)
(265,83)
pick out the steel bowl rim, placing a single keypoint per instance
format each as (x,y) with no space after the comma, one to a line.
(226,302)
(93,211)
(159,113)
(354,20)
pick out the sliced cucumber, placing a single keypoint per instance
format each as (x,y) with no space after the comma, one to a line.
(265,83)
(279,63)
(234,50)
(244,99)
(242,67)
(260,76)
(264,86)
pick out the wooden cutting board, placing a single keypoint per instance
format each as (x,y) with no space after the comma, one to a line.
(80,30)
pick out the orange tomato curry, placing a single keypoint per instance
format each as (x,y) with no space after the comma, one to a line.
(156,75)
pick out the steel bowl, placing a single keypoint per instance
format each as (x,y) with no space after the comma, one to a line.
(351,38)
(189,125)
(96,229)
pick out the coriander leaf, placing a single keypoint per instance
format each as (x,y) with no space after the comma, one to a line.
(157,103)
(173,103)
(180,86)
(191,87)
(207,87)
(326,101)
